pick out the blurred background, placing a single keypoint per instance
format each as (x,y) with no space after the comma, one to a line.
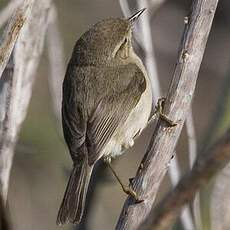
(42,163)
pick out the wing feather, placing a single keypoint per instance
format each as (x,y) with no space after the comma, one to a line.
(88,133)
(111,113)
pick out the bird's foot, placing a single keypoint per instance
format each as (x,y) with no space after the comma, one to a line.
(127,190)
(159,110)
(132,193)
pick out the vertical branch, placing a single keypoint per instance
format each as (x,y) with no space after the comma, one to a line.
(219,201)
(177,104)
(192,143)
(146,42)
(26,58)
(151,65)
(56,59)
(192,148)
(125,8)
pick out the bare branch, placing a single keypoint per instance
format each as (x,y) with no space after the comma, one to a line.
(151,65)
(175,174)
(206,166)
(146,42)
(18,92)
(6,12)
(154,165)
(11,33)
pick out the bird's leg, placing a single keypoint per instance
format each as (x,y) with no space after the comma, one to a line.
(159,111)
(126,189)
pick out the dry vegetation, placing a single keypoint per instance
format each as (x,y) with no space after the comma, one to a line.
(32,37)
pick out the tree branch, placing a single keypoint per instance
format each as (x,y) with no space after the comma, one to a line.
(56,59)
(206,166)
(15,91)
(192,148)
(155,162)
(11,33)
(8,10)
(146,42)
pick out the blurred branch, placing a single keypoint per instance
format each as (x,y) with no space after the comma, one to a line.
(192,143)
(56,59)
(125,8)
(206,166)
(7,11)
(16,91)
(12,30)
(211,195)
(192,148)
(154,165)
(175,174)
(219,200)
(144,28)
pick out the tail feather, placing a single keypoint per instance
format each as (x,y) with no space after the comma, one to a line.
(73,203)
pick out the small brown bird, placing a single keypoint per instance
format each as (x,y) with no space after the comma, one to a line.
(107,101)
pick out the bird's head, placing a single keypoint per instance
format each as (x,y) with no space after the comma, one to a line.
(106,41)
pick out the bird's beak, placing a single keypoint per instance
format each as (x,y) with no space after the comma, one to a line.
(134,17)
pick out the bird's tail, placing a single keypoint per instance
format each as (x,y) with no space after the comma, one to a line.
(73,203)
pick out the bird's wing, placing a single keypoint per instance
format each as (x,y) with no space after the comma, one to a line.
(113,109)
(87,134)
(73,116)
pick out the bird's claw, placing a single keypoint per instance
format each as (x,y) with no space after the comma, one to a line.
(159,109)
(133,194)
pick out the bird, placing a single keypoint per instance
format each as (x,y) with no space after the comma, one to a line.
(107,102)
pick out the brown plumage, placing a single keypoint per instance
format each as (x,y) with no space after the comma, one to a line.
(106,102)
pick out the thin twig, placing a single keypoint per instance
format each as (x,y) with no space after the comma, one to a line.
(26,58)
(154,165)
(11,33)
(206,166)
